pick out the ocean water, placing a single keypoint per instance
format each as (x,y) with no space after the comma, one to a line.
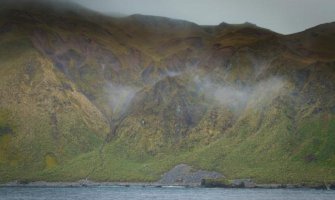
(151,193)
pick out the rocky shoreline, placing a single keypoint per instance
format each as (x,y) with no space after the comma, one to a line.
(241,184)
(80,183)
(248,183)
(181,175)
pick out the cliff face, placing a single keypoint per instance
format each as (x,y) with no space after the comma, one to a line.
(90,96)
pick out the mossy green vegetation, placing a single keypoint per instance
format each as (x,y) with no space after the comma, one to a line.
(263,160)
(100,98)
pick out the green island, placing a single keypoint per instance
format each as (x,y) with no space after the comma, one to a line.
(107,99)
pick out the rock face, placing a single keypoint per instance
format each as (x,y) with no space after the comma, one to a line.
(185,175)
(225,183)
(243,183)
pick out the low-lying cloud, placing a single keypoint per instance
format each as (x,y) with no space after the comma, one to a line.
(237,97)
(119,97)
(171,73)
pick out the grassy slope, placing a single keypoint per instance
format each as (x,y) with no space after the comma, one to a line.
(263,156)
(43,124)
(50,131)
(281,150)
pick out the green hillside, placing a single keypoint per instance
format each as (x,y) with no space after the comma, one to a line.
(84,95)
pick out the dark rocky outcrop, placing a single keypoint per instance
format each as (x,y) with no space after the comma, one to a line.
(225,183)
(186,175)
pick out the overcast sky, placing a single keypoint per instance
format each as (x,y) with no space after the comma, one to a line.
(283,16)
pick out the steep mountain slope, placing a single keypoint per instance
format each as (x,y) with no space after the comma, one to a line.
(90,96)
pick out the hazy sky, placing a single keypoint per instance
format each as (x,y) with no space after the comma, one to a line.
(283,16)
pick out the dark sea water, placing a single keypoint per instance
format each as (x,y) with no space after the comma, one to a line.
(139,193)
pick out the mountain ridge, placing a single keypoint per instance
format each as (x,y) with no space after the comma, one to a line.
(113,100)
